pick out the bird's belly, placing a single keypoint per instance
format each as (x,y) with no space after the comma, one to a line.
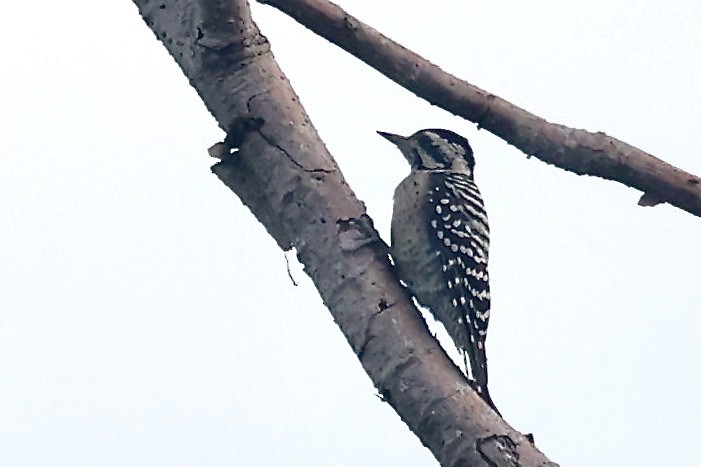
(418,266)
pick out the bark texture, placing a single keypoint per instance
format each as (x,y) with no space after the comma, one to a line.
(578,151)
(282,171)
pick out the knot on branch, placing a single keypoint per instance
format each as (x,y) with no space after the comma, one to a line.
(239,129)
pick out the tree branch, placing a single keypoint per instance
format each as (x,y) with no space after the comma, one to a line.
(282,171)
(575,150)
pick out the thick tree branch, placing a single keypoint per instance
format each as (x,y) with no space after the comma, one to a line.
(284,174)
(575,150)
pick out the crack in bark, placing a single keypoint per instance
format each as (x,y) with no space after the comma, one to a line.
(289,157)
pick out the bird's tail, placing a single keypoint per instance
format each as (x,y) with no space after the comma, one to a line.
(478,371)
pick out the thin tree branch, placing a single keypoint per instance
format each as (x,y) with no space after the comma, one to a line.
(282,171)
(575,150)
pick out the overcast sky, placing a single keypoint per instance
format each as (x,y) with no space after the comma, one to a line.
(146,318)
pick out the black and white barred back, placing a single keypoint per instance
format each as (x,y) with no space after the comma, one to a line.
(440,241)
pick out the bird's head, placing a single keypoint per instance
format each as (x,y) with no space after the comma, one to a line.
(434,149)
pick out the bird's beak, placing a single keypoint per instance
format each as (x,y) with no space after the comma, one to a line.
(401,142)
(397,140)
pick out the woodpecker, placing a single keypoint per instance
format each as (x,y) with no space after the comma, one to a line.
(440,241)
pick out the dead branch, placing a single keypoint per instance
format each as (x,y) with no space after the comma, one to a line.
(578,151)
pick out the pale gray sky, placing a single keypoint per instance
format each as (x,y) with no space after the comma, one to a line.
(146,318)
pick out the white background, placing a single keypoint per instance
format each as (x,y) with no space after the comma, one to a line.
(147,319)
